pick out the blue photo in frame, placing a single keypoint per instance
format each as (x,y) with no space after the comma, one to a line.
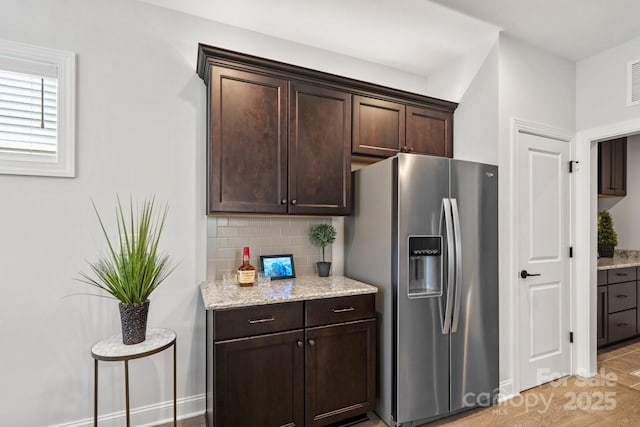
(278,266)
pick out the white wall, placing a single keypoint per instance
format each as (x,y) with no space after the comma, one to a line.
(537,87)
(602,86)
(475,124)
(624,210)
(452,81)
(140,131)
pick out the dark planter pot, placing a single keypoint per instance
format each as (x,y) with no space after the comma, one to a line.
(134,322)
(323,268)
(605,251)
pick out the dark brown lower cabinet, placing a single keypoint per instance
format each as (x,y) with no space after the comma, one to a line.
(260,381)
(340,371)
(291,364)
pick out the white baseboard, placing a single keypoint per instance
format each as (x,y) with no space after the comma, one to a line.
(506,391)
(147,416)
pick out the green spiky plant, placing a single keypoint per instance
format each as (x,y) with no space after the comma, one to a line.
(322,235)
(133,269)
(606,233)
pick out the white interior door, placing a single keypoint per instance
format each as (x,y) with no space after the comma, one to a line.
(543,221)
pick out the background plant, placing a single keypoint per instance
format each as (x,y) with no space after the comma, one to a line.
(606,233)
(322,235)
(133,269)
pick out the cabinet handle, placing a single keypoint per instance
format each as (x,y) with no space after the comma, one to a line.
(283,201)
(622,325)
(622,296)
(294,201)
(299,343)
(312,342)
(265,320)
(621,274)
(342,310)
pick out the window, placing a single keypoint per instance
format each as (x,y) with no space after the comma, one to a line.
(37,110)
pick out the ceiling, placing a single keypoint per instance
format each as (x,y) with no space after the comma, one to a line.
(573,29)
(420,36)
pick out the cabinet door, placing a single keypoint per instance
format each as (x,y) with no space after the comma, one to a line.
(319,150)
(260,381)
(602,315)
(247,142)
(378,126)
(340,371)
(429,132)
(612,167)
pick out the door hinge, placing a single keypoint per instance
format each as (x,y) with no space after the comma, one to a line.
(571,337)
(571,162)
(570,251)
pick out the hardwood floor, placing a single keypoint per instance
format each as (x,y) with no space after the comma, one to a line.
(609,399)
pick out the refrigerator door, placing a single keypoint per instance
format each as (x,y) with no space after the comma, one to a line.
(474,328)
(422,349)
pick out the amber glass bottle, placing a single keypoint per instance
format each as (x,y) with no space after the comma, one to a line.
(246,272)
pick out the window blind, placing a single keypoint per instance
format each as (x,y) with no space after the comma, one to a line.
(28,113)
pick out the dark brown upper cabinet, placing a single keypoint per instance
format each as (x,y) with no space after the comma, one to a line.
(429,131)
(280,137)
(612,168)
(383,128)
(378,126)
(319,150)
(248,142)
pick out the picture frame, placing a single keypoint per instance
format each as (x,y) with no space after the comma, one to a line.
(278,266)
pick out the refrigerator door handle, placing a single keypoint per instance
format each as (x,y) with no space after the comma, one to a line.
(446,207)
(458,267)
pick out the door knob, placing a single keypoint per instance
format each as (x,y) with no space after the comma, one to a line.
(524,274)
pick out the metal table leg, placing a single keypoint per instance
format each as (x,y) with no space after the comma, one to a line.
(126,388)
(175,404)
(95,393)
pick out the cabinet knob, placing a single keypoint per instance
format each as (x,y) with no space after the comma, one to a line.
(283,201)
(312,342)
(294,201)
(410,149)
(299,343)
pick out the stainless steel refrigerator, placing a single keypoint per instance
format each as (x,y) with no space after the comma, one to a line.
(425,231)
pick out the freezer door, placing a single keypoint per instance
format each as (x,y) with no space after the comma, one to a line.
(474,328)
(422,349)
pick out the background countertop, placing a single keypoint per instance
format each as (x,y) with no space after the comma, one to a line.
(621,258)
(217,295)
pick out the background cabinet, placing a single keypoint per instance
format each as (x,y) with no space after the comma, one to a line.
(612,167)
(617,305)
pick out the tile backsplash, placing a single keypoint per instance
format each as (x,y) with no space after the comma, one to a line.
(226,236)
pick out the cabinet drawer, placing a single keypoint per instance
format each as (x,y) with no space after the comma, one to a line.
(602,277)
(622,325)
(621,275)
(622,296)
(262,319)
(341,309)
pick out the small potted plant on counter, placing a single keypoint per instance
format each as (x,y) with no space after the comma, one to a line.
(607,237)
(322,235)
(133,268)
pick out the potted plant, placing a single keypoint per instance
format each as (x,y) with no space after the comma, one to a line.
(607,237)
(322,235)
(132,268)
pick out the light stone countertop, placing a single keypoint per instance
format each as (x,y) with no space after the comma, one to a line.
(621,258)
(217,296)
